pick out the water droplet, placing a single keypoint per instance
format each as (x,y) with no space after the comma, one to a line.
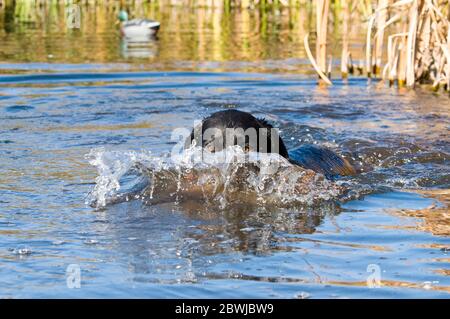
(22,251)
(91,241)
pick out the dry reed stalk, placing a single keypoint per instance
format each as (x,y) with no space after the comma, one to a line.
(446,50)
(360,67)
(419,54)
(411,44)
(313,61)
(393,74)
(373,63)
(394,53)
(245,4)
(402,58)
(345,31)
(423,51)
(365,8)
(330,65)
(381,24)
(351,67)
(391,47)
(393,56)
(321,30)
(423,61)
(368,46)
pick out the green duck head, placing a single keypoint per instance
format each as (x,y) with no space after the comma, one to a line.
(123,16)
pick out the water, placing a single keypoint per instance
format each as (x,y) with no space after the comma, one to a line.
(57,117)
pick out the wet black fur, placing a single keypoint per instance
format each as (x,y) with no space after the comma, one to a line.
(238,119)
(312,157)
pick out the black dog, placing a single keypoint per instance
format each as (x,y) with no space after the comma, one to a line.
(311,157)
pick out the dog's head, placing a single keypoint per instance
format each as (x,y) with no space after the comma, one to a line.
(233,127)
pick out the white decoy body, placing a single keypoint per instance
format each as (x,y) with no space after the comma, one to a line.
(137,28)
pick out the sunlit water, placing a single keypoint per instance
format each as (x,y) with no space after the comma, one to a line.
(70,133)
(50,123)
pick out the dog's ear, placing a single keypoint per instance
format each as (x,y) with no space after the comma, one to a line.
(265,123)
(282,148)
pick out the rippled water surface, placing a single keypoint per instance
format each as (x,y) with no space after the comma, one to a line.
(50,122)
(70,131)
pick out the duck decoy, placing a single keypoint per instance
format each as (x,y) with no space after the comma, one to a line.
(137,28)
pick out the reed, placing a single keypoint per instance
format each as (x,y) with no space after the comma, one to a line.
(322,11)
(319,71)
(370,24)
(320,62)
(402,56)
(423,46)
(226,4)
(379,38)
(418,33)
(345,56)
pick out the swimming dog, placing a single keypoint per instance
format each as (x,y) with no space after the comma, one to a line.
(234,127)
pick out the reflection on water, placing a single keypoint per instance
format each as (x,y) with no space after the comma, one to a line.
(206,38)
(139,47)
(436,217)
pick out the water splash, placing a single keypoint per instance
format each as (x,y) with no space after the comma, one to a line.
(222,178)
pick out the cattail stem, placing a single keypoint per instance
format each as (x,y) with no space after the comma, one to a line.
(321,29)
(345,32)
(411,44)
(313,61)
(381,24)
(369,46)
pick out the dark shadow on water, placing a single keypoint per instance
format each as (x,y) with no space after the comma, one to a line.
(162,240)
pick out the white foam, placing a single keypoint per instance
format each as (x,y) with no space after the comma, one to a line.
(222,177)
